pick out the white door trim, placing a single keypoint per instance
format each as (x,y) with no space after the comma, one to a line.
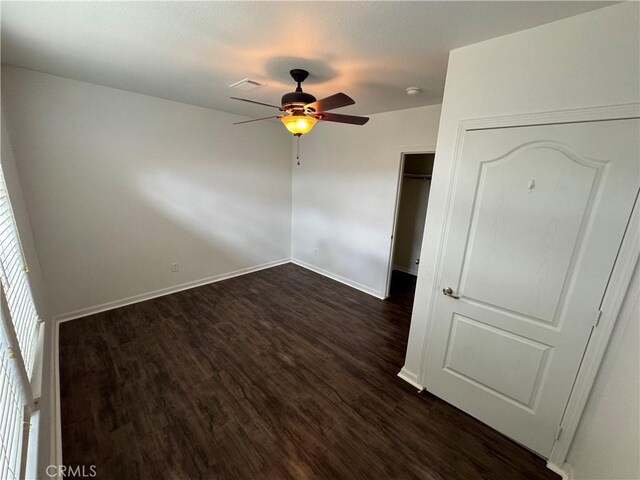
(405,151)
(620,277)
(611,303)
(394,226)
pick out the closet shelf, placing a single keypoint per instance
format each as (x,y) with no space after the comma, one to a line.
(417,176)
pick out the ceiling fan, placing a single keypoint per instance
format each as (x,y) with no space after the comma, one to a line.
(301,110)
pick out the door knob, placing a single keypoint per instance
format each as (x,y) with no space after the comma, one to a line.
(449,293)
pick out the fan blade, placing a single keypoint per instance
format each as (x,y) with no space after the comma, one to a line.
(330,103)
(257,103)
(336,117)
(257,119)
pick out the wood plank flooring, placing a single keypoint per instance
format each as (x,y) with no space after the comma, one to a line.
(279,374)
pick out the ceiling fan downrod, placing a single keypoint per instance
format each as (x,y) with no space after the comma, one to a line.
(299,76)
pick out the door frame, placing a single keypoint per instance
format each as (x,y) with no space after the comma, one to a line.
(623,268)
(394,224)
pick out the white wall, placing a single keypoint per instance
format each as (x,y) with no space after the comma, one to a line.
(410,224)
(584,61)
(344,193)
(607,441)
(120,185)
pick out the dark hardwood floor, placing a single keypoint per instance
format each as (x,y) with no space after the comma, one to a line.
(279,374)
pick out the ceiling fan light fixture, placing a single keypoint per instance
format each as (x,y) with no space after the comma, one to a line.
(298,124)
(301,110)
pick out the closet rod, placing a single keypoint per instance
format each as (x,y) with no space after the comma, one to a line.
(413,175)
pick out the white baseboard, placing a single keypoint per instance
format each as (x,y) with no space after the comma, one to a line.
(410,377)
(566,472)
(410,271)
(56,412)
(338,278)
(83,312)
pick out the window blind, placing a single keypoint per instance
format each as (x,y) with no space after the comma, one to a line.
(12,413)
(13,276)
(19,324)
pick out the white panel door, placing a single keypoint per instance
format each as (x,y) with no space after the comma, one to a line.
(537,218)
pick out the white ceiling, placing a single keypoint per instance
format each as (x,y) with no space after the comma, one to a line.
(192,51)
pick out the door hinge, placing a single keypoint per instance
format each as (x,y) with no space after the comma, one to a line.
(598,315)
(559,433)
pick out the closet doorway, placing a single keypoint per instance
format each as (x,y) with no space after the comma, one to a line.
(412,198)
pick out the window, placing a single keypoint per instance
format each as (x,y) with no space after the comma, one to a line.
(12,413)
(19,324)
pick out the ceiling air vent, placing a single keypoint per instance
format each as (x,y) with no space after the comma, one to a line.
(246,85)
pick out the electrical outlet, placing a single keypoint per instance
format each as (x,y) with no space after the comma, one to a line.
(315,252)
(174,267)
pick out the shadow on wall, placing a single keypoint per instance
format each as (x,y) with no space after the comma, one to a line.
(172,217)
(197,208)
(353,250)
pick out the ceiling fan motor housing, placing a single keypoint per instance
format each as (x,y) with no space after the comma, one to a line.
(295,101)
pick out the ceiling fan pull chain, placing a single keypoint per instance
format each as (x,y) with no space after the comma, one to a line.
(298,148)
